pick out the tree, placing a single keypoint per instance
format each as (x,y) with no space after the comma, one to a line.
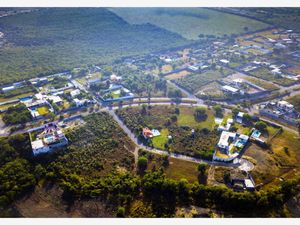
(247,118)
(201,168)
(261,126)
(218,110)
(183,192)
(142,164)
(177,111)
(227,177)
(200,114)
(121,212)
(202,177)
(235,111)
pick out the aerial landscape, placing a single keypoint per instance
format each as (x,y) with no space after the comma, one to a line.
(150,112)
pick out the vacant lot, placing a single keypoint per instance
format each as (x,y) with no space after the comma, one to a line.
(265,74)
(174,76)
(212,90)
(281,158)
(194,82)
(175,169)
(190,22)
(295,100)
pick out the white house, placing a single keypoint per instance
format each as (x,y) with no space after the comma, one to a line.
(225,139)
(75,93)
(239,117)
(230,89)
(6,89)
(285,105)
(78,102)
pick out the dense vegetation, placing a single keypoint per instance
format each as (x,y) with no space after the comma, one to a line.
(16,173)
(200,144)
(96,148)
(18,114)
(54,40)
(283,17)
(190,22)
(149,195)
(141,84)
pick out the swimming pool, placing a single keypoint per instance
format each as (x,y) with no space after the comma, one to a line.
(256,134)
(25,98)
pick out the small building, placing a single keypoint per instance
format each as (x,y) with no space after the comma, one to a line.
(147,133)
(229,89)
(115,78)
(55,99)
(239,117)
(78,102)
(285,105)
(193,68)
(7,89)
(224,61)
(75,93)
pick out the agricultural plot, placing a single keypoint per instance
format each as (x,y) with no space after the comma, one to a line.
(176,124)
(265,74)
(194,82)
(97,147)
(199,20)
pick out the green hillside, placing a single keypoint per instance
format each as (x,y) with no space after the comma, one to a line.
(52,40)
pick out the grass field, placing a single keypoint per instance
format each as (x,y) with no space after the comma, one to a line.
(295,100)
(275,162)
(166,69)
(160,141)
(265,74)
(180,169)
(190,22)
(194,82)
(177,169)
(174,76)
(43,110)
(186,118)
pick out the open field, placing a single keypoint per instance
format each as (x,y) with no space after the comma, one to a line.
(265,74)
(295,100)
(259,82)
(199,20)
(274,162)
(211,90)
(194,82)
(174,76)
(176,169)
(166,69)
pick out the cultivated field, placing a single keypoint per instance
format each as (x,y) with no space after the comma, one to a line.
(190,22)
